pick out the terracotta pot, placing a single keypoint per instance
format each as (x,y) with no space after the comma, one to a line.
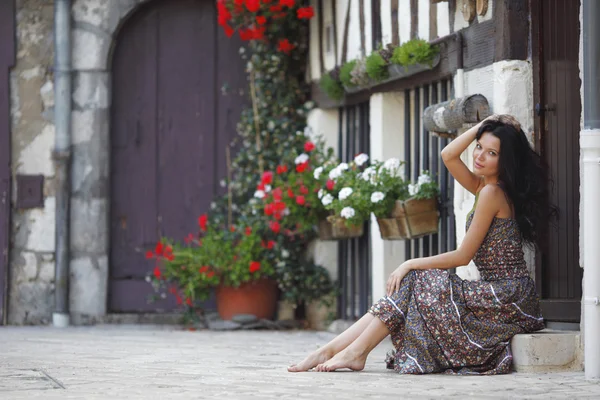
(411,219)
(258,298)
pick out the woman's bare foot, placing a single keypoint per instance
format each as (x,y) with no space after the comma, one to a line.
(344,359)
(315,358)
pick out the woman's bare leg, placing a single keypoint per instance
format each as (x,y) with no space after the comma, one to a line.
(336,345)
(355,355)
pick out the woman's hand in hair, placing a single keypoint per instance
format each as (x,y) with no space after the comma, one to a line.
(505,119)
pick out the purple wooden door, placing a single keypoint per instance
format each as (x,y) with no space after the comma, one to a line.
(7,59)
(170,125)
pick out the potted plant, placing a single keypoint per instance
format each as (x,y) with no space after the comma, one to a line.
(413,214)
(233,261)
(345,196)
(308,284)
(413,56)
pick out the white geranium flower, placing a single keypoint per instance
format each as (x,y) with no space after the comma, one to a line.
(286,211)
(376,197)
(423,179)
(285,253)
(345,192)
(327,199)
(223,183)
(413,189)
(335,173)
(321,193)
(271,125)
(301,159)
(368,174)
(267,188)
(343,166)
(259,194)
(318,172)
(391,164)
(361,159)
(347,212)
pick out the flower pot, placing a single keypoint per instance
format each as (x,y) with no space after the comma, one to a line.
(286,311)
(339,229)
(410,219)
(258,298)
(319,315)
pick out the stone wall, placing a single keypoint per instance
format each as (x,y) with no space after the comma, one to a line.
(94,28)
(31,271)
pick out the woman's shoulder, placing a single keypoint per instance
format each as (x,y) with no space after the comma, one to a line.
(490,192)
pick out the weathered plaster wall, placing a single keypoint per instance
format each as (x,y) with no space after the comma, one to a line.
(32,252)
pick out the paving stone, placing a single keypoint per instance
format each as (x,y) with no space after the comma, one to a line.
(132,362)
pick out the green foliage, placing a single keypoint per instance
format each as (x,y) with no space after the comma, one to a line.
(376,67)
(331,87)
(425,188)
(346,73)
(415,51)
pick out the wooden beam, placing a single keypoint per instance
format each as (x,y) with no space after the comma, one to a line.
(433,28)
(452,12)
(395,26)
(346,33)
(361,16)
(320,22)
(376,33)
(414,19)
(335,32)
(512,29)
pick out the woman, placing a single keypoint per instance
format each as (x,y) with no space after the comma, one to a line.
(439,322)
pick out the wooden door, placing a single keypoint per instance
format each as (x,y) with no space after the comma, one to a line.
(7,59)
(171,121)
(558,110)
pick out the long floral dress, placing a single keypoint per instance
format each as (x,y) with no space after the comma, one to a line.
(441,323)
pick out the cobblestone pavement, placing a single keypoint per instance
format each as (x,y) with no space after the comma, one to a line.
(149,362)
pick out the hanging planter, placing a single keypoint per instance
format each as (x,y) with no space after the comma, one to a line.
(339,229)
(410,219)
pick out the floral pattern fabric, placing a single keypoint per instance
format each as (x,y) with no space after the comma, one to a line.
(440,323)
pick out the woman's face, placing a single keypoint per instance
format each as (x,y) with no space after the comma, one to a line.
(486,155)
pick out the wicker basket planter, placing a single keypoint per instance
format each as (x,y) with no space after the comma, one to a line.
(411,219)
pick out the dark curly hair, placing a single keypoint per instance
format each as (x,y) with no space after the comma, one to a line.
(524,178)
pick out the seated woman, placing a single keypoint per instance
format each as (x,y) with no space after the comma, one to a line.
(437,321)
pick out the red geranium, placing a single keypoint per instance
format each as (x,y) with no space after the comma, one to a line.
(202,221)
(309,146)
(305,12)
(254,266)
(285,46)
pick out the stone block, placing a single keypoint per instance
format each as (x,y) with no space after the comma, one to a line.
(90,90)
(30,303)
(89,226)
(88,123)
(39,227)
(29,269)
(102,14)
(46,271)
(90,50)
(88,286)
(547,351)
(36,157)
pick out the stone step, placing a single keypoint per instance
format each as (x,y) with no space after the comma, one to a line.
(547,351)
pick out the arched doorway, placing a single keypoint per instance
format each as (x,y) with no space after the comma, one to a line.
(177,93)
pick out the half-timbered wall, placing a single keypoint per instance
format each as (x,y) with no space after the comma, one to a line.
(344,30)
